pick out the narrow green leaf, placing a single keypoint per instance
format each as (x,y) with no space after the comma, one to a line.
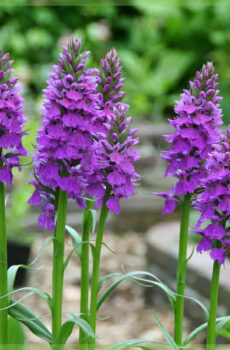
(67,328)
(16,334)
(12,271)
(221,323)
(167,336)
(109,249)
(202,306)
(190,256)
(64,333)
(82,324)
(106,278)
(118,281)
(94,219)
(170,294)
(76,240)
(32,291)
(24,315)
(133,342)
(11,275)
(225,331)
(89,220)
(66,263)
(44,245)
(93,250)
(194,333)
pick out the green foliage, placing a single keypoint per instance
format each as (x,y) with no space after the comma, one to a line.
(67,328)
(225,332)
(16,334)
(161,44)
(168,338)
(134,343)
(24,315)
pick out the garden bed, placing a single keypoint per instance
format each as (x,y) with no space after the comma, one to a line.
(130,316)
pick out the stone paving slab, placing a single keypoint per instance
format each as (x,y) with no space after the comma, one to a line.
(162,242)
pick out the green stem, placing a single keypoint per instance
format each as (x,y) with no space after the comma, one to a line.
(3,269)
(181,270)
(83,338)
(96,267)
(211,333)
(58,262)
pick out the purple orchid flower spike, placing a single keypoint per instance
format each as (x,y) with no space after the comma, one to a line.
(214,202)
(11,120)
(71,119)
(116,154)
(114,148)
(198,114)
(110,80)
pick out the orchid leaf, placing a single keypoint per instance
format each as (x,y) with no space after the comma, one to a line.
(122,278)
(167,336)
(24,315)
(16,334)
(133,343)
(66,263)
(90,220)
(220,324)
(12,271)
(67,328)
(76,240)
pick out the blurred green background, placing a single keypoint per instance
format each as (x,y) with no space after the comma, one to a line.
(161,45)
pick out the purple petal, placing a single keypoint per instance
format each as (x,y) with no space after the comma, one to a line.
(219,255)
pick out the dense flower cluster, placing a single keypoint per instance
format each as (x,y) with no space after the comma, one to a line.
(71,117)
(110,81)
(11,120)
(214,202)
(85,142)
(198,114)
(114,147)
(115,156)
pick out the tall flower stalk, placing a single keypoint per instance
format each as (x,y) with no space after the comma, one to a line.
(3,269)
(211,333)
(58,261)
(64,158)
(11,125)
(182,267)
(114,175)
(84,307)
(198,115)
(96,265)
